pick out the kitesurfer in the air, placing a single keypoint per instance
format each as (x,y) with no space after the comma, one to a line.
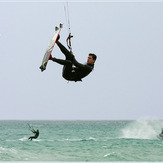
(72,69)
(35,136)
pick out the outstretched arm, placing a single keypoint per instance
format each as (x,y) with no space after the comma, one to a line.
(33,131)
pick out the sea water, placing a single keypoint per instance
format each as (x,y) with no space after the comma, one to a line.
(82,141)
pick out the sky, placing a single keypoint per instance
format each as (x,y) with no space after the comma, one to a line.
(126,83)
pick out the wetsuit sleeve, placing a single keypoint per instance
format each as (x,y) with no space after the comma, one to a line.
(77,64)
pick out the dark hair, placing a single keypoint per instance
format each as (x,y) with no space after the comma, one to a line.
(93,56)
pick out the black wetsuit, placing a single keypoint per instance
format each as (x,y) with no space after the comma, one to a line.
(36,135)
(72,69)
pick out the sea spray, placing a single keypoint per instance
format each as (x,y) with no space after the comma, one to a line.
(141,129)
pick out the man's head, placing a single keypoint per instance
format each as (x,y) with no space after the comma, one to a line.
(91,58)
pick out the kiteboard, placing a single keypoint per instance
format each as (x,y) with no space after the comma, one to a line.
(50,47)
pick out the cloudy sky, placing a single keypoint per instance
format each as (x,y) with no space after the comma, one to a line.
(127,81)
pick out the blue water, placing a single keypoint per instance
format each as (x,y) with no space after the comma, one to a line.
(82,141)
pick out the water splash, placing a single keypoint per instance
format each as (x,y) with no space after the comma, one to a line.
(142,129)
(24,139)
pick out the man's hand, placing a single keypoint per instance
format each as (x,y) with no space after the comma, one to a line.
(71,52)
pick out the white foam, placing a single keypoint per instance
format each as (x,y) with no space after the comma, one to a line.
(109,154)
(91,138)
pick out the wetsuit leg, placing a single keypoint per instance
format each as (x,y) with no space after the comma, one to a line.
(67,54)
(62,62)
(67,67)
(32,137)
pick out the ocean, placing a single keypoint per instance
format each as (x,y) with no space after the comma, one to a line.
(82,141)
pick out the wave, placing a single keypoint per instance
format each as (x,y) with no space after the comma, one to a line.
(89,139)
(8,150)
